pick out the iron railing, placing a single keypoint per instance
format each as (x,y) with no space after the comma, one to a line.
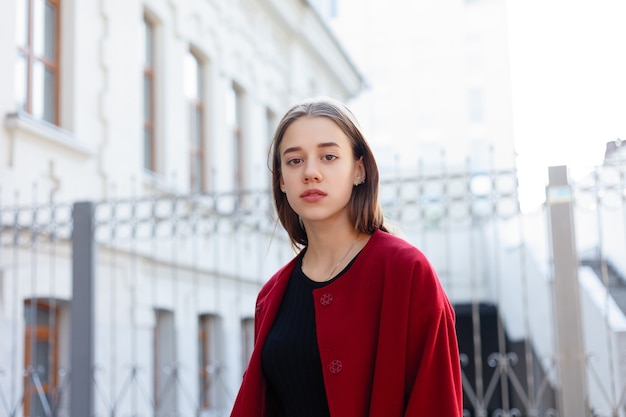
(112,278)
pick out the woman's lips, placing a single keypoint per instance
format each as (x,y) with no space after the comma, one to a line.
(312,195)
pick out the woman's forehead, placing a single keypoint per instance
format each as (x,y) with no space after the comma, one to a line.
(313,131)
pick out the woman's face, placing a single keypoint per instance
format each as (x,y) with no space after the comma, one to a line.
(318,169)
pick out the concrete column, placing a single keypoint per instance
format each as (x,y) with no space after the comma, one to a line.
(570,349)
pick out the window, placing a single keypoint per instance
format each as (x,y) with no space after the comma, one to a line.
(37,61)
(149,140)
(271,123)
(165,363)
(212,394)
(234,113)
(247,342)
(41,357)
(194,93)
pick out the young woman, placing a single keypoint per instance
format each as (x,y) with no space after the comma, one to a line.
(357,324)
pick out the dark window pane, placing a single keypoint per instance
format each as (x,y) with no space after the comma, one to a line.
(35,315)
(199,82)
(36,66)
(42,360)
(44,29)
(50,96)
(50,32)
(36,408)
(197,125)
(196,174)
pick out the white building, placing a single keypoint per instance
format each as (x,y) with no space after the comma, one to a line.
(144,101)
(439,77)
(106,91)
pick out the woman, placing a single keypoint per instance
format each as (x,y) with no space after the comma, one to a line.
(357,324)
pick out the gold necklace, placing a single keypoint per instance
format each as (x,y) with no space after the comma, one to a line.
(332,271)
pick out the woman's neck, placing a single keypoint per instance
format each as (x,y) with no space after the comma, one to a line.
(329,250)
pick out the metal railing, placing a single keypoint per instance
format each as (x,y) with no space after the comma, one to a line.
(103,269)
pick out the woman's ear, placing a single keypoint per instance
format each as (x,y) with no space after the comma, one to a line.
(282,185)
(360,172)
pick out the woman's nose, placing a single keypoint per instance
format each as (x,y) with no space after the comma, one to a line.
(311,173)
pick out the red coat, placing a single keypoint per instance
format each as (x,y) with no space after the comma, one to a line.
(386,337)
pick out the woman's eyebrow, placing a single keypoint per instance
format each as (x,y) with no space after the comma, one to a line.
(328,145)
(292,149)
(321,145)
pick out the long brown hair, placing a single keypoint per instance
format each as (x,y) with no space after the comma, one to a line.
(364,208)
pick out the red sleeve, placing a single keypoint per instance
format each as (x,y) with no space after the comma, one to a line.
(436,389)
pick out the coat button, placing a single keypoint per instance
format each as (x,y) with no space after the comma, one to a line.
(326,299)
(335,366)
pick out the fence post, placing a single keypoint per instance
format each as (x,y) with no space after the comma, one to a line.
(570,349)
(82,310)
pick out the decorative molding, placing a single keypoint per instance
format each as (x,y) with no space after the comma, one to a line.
(24,123)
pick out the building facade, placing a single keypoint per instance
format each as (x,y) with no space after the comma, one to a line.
(144,101)
(190,89)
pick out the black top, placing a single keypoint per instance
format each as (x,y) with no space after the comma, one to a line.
(291,358)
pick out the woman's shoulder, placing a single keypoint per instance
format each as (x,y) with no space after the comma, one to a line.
(400,258)
(393,246)
(408,268)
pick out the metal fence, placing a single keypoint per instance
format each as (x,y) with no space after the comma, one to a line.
(142,307)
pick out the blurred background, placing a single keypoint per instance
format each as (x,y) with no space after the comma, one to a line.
(136,223)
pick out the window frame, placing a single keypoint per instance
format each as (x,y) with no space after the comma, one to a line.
(197,128)
(164,355)
(238,135)
(49,333)
(247,340)
(31,59)
(210,357)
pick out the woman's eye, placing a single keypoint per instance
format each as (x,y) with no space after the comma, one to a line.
(329,157)
(294,161)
